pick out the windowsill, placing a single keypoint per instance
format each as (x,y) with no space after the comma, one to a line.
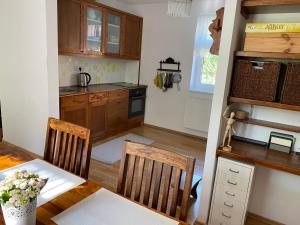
(201,94)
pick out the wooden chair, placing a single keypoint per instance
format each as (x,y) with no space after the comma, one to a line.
(68,147)
(151,175)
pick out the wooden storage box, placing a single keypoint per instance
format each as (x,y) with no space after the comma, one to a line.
(272,42)
(291,88)
(256,80)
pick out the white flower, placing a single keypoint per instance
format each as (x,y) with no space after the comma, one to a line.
(16,182)
(23,185)
(20,189)
(32,182)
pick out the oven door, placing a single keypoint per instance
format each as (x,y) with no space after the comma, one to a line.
(136,106)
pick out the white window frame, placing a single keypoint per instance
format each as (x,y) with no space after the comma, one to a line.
(202,45)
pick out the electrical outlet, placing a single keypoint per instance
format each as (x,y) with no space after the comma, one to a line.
(76,68)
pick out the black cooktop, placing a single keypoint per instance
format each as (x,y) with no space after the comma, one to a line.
(128,85)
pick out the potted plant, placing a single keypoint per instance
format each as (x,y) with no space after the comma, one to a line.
(18,197)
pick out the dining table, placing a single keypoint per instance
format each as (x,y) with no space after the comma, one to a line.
(10,157)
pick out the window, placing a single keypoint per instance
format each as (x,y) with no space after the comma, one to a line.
(204,64)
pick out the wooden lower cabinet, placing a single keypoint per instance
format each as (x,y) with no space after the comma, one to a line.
(105,113)
(74,109)
(97,115)
(117,112)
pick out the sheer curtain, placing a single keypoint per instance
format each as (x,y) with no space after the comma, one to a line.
(203,42)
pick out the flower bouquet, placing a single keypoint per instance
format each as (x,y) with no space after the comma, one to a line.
(18,197)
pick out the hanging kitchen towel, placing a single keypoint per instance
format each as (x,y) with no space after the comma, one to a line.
(159,80)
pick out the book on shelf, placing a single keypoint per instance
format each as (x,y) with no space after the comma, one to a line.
(273,28)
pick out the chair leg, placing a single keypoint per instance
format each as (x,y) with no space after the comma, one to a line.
(194,189)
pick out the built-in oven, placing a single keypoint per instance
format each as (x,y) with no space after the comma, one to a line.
(137,101)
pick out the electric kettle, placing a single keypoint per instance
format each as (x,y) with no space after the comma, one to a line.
(84,79)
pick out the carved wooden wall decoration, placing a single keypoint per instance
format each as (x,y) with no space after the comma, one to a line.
(215,29)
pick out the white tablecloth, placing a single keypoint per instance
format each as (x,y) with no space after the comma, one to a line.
(59,181)
(107,208)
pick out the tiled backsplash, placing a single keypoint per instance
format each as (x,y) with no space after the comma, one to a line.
(103,70)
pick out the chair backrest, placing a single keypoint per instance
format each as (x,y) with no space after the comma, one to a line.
(68,147)
(152,176)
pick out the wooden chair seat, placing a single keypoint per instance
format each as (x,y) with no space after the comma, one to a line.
(152,176)
(68,147)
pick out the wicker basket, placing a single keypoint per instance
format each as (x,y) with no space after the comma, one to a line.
(291,88)
(256,80)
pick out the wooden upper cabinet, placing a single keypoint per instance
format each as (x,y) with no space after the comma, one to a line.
(69,27)
(132,37)
(92,29)
(113,32)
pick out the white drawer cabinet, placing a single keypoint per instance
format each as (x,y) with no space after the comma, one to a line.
(232,189)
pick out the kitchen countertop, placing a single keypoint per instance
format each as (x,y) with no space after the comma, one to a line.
(94,88)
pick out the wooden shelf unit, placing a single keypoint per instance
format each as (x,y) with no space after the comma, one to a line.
(269,6)
(270,124)
(272,55)
(260,155)
(259,3)
(276,105)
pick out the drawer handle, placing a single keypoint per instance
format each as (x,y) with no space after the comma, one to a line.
(229,193)
(234,171)
(232,183)
(227,216)
(228,205)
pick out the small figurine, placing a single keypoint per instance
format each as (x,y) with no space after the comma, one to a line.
(215,29)
(229,129)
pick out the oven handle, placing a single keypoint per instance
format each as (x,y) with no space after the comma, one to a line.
(138,97)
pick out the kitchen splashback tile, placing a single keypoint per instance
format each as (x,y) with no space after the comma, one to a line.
(102,70)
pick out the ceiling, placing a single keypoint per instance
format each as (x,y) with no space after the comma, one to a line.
(143,1)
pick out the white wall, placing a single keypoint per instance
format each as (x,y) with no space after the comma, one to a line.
(276,196)
(29,76)
(116,4)
(52,59)
(165,36)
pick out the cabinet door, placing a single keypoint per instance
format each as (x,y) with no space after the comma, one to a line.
(93,17)
(97,115)
(69,26)
(97,120)
(117,117)
(113,29)
(117,111)
(132,37)
(74,109)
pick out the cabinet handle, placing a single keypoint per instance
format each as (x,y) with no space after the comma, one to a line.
(228,205)
(234,171)
(229,193)
(232,183)
(227,216)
